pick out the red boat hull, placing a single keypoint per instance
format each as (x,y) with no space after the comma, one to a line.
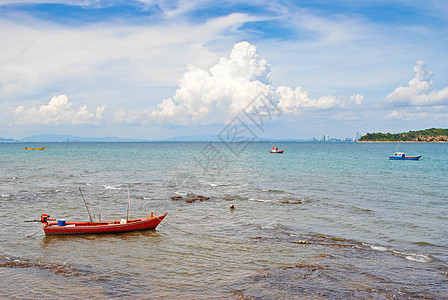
(104,227)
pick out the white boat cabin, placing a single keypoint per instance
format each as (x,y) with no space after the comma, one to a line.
(399,154)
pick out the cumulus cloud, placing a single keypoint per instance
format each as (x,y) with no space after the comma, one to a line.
(226,88)
(291,101)
(229,86)
(418,113)
(58,112)
(419,91)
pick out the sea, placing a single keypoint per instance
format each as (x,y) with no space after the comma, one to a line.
(320,221)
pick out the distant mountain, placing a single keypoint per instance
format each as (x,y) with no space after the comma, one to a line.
(432,135)
(194,138)
(216,138)
(55,138)
(41,138)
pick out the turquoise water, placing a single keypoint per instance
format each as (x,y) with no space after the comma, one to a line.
(376,228)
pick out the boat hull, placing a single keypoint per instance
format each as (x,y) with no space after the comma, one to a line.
(43,148)
(104,227)
(281,151)
(405,157)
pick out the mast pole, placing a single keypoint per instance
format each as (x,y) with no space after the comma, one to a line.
(90,217)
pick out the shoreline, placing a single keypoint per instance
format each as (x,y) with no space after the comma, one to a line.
(414,142)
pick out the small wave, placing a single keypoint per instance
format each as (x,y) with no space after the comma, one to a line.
(378,248)
(275,226)
(427,244)
(275,191)
(407,255)
(361,210)
(418,258)
(261,200)
(413,256)
(111,187)
(270,227)
(180,193)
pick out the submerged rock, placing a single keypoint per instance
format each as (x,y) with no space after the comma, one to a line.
(298,201)
(65,270)
(191,198)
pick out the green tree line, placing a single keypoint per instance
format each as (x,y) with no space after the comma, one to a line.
(427,135)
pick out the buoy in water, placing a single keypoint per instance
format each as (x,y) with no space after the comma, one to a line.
(232,206)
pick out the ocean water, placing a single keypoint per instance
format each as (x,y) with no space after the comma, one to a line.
(322,220)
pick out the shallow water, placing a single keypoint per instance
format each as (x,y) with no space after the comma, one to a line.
(376,228)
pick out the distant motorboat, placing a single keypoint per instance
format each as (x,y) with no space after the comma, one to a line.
(402,156)
(275,150)
(42,148)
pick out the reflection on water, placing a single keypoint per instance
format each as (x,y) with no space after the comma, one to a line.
(61,240)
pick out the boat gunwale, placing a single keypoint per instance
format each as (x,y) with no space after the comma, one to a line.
(393,157)
(41,148)
(106,227)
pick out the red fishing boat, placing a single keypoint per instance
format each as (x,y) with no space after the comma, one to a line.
(275,150)
(53,226)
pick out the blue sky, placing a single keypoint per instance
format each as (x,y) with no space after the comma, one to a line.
(161,69)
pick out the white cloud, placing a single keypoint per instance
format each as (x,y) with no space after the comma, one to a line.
(419,92)
(434,114)
(57,112)
(229,86)
(43,55)
(291,101)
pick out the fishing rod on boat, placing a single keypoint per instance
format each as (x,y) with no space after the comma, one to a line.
(34,233)
(90,217)
(129,205)
(43,219)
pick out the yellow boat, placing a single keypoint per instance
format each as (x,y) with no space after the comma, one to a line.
(43,148)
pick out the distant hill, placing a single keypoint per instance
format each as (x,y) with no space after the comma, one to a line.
(193,138)
(6,140)
(41,138)
(433,135)
(215,138)
(55,138)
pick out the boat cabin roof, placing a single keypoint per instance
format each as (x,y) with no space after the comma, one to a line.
(399,153)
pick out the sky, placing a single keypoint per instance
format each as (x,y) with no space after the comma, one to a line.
(279,69)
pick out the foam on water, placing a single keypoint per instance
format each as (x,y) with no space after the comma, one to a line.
(418,257)
(110,187)
(379,248)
